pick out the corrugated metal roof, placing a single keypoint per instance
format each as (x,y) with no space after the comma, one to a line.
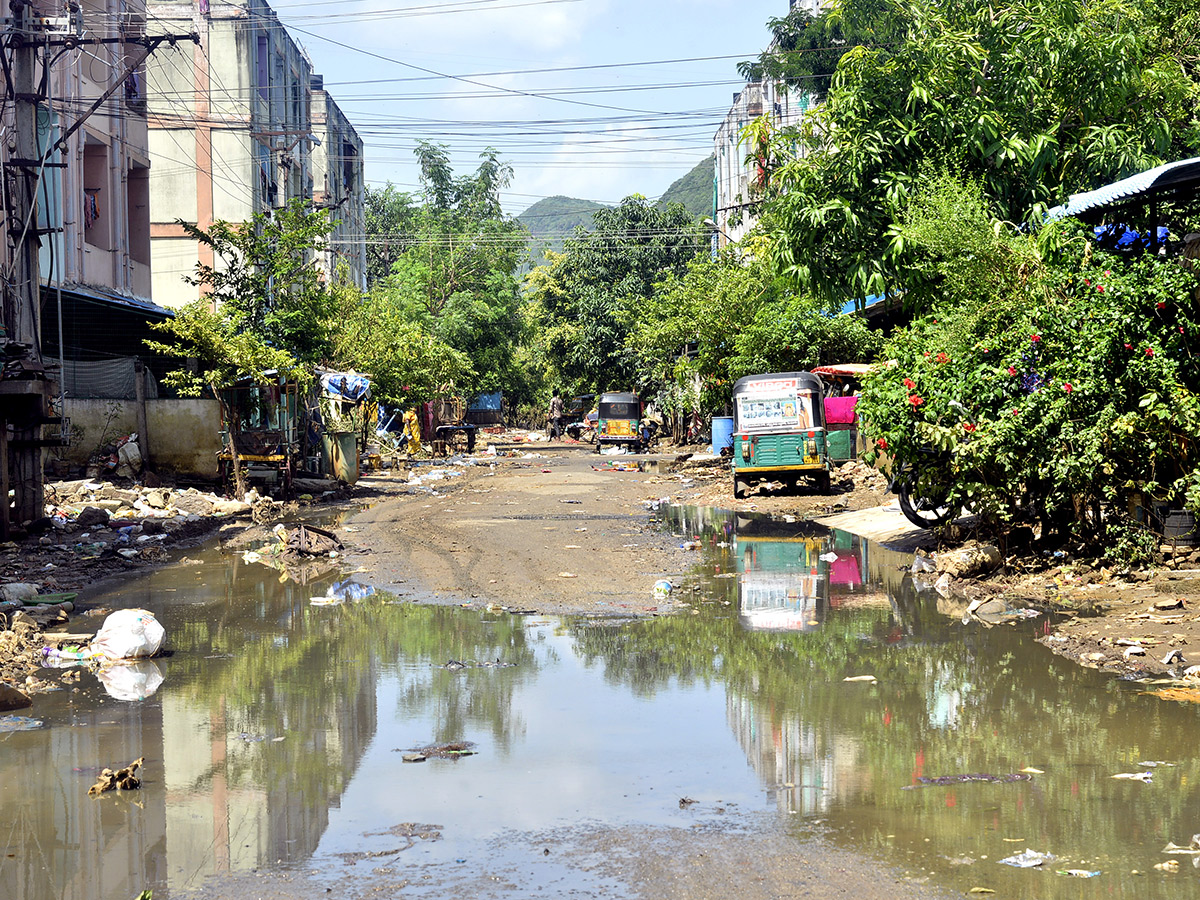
(1159,178)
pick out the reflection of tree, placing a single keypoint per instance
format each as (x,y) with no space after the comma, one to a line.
(950,699)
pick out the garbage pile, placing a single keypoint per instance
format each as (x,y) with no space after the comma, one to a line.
(74,505)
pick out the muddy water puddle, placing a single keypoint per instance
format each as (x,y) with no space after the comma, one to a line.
(275,743)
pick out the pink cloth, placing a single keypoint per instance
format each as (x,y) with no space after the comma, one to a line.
(840,410)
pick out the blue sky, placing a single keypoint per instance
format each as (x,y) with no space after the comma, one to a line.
(600,130)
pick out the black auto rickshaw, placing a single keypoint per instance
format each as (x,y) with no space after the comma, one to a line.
(620,421)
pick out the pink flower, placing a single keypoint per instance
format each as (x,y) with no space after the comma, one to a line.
(916,400)
(1086,282)
(1100,288)
(1035,337)
(1012,371)
(1129,346)
(1160,305)
(1014,412)
(1149,351)
(909,384)
(881,443)
(943,358)
(1068,387)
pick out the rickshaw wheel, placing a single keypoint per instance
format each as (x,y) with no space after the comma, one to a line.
(740,488)
(823,482)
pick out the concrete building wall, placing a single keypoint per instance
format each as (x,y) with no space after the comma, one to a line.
(237,115)
(184,435)
(733,175)
(339,186)
(97,197)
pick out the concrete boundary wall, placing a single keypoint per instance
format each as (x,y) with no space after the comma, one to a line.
(184,435)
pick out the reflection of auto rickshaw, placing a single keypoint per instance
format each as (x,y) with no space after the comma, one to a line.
(779,430)
(620,421)
(783,584)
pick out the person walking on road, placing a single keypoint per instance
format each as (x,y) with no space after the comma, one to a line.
(556,416)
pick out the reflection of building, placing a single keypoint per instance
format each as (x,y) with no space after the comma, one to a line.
(219,794)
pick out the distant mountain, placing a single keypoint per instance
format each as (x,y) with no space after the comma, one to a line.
(551,220)
(694,190)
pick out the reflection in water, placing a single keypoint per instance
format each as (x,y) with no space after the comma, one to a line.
(273,738)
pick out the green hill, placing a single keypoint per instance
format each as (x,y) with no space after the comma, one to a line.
(551,220)
(694,190)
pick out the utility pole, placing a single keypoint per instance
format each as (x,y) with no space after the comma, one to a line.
(25,398)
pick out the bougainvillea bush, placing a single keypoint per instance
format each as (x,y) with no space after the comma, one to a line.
(1066,385)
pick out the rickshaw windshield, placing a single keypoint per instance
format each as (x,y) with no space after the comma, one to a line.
(618,410)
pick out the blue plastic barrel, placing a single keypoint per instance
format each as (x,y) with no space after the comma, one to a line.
(722,433)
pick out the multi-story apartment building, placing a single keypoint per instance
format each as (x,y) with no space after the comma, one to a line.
(734,194)
(338,185)
(233,129)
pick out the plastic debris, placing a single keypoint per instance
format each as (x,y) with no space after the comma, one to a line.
(19,723)
(1175,656)
(865,679)
(662,589)
(1144,777)
(1135,650)
(947,780)
(922,564)
(129,634)
(828,557)
(1079,873)
(1191,849)
(1027,859)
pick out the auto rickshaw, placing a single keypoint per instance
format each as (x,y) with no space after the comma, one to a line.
(620,421)
(779,430)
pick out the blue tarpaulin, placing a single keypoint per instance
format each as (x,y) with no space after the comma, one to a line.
(494,402)
(345,386)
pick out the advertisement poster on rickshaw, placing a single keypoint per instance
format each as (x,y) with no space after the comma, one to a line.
(774,405)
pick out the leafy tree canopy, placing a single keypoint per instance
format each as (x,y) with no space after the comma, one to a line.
(588,296)
(389,218)
(1035,99)
(265,279)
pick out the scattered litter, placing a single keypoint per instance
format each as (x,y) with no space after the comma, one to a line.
(867,679)
(685,802)
(1027,859)
(1144,777)
(1175,656)
(1155,763)
(1135,650)
(567,575)
(828,557)
(662,589)
(947,780)
(1171,865)
(121,780)
(1078,873)
(1191,849)
(9,724)
(922,564)
(452,750)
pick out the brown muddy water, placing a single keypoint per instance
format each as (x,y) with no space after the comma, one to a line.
(274,736)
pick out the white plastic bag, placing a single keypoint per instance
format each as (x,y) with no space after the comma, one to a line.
(128,634)
(134,681)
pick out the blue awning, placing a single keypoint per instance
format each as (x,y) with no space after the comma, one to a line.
(1152,181)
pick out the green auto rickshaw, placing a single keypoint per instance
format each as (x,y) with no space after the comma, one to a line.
(779,430)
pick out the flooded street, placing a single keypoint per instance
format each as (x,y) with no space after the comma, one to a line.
(276,743)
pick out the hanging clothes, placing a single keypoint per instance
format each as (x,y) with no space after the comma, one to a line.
(91,207)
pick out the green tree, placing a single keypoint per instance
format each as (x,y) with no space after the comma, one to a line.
(1050,379)
(389,217)
(226,351)
(265,278)
(588,297)
(456,278)
(1036,100)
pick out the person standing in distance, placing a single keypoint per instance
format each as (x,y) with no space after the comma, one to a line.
(556,416)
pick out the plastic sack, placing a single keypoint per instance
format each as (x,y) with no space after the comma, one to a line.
(128,634)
